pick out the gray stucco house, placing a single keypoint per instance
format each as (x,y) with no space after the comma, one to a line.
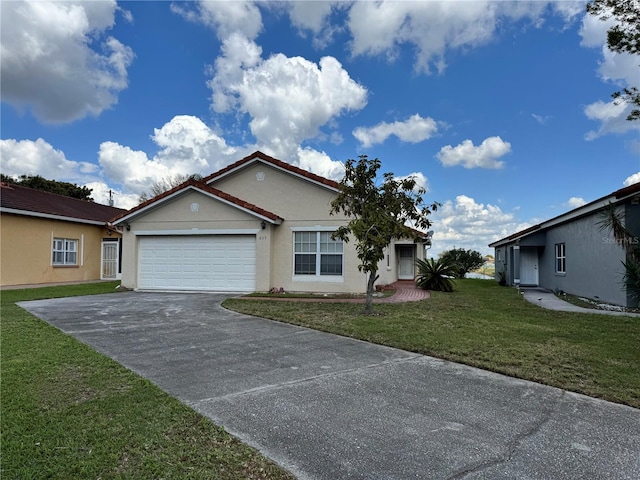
(571,253)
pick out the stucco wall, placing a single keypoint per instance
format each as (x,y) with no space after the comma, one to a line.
(302,204)
(177,216)
(593,267)
(281,193)
(26,250)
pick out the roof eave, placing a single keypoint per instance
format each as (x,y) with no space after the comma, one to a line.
(274,219)
(29,213)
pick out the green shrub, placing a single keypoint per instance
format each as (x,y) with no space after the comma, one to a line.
(435,275)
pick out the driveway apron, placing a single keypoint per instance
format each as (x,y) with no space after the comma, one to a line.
(330,407)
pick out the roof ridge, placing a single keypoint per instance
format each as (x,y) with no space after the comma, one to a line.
(278,163)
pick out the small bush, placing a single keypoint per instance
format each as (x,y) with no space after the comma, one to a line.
(435,275)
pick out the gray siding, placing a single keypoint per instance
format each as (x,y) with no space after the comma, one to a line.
(500,258)
(593,261)
(632,222)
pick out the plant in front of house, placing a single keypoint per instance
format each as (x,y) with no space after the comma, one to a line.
(435,275)
(378,214)
(612,220)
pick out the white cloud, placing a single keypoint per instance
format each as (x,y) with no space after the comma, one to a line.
(225,17)
(287,98)
(434,28)
(413,130)
(619,69)
(320,163)
(187,146)
(635,178)
(575,202)
(27,157)
(314,17)
(190,146)
(464,223)
(542,120)
(57,61)
(101,193)
(612,117)
(485,155)
(421,180)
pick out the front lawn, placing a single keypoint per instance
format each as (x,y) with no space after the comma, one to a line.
(70,412)
(491,327)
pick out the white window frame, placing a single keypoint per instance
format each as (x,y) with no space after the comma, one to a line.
(316,250)
(67,251)
(561,258)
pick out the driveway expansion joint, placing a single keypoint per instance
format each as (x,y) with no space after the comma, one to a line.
(277,386)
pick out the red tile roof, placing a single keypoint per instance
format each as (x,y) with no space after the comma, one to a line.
(24,200)
(277,163)
(200,184)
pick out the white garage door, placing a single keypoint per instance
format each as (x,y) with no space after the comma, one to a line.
(221,263)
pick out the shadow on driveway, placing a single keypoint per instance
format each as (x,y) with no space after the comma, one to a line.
(330,407)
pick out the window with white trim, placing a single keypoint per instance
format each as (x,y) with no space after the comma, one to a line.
(561,258)
(65,251)
(315,253)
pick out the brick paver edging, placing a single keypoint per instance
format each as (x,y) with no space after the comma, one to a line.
(405,292)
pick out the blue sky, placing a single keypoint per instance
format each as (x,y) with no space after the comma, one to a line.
(501,109)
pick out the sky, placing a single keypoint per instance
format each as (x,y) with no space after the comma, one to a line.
(502,110)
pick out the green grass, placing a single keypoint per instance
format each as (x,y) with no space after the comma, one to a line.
(68,412)
(491,327)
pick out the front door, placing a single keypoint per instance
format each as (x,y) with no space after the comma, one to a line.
(110,260)
(406,269)
(528,266)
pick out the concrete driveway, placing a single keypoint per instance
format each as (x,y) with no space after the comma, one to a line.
(329,407)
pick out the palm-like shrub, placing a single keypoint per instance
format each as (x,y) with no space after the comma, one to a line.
(435,275)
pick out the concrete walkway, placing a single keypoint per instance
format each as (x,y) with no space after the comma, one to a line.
(327,407)
(546,299)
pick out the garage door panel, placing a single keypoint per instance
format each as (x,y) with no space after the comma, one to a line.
(214,262)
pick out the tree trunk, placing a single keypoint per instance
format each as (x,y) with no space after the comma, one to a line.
(368,306)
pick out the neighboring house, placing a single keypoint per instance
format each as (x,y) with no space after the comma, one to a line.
(571,253)
(45,237)
(255,225)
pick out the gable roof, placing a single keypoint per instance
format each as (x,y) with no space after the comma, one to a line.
(258,156)
(615,197)
(20,200)
(202,187)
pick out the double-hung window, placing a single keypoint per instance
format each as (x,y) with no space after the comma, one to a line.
(561,258)
(65,251)
(315,253)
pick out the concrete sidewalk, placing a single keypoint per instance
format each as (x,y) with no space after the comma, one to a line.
(547,299)
(328,407)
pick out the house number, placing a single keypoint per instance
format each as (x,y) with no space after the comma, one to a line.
(262,237)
